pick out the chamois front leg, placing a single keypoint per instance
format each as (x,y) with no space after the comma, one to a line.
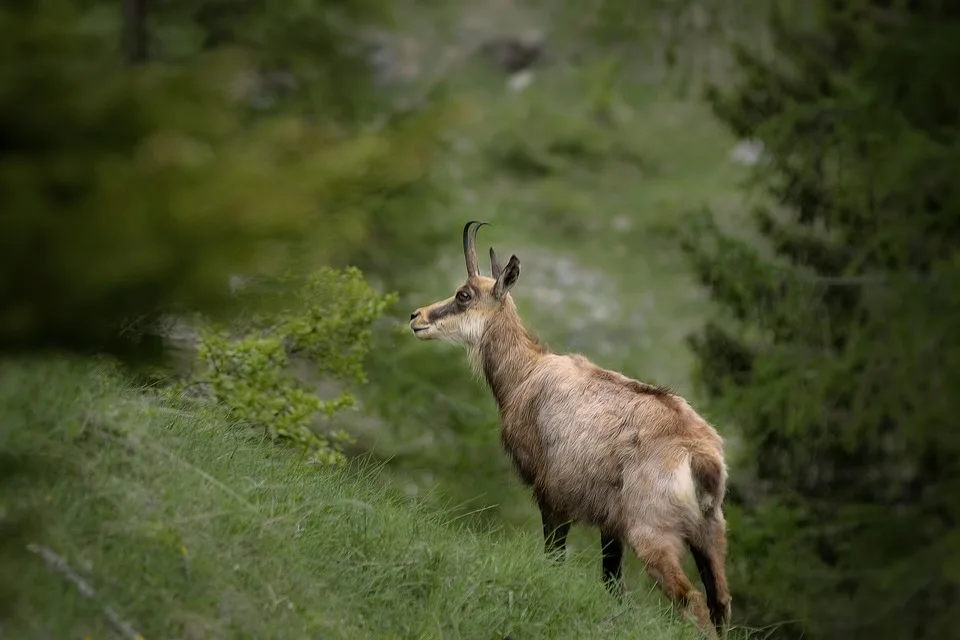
(555,532)
(612,549)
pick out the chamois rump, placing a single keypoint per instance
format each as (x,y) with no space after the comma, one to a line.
(597,448)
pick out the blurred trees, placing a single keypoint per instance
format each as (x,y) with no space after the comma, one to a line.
(149,151)
(836,357)
(241,145)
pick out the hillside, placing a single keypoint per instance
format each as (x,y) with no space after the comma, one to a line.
(186,529)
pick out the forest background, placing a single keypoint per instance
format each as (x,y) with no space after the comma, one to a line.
(219,214)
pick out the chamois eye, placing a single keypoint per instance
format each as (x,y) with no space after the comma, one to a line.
(463,295)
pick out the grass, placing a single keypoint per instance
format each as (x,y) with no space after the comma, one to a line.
(189,530)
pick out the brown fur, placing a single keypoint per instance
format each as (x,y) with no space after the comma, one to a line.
(597,448)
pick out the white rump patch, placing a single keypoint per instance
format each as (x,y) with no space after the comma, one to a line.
(683,486)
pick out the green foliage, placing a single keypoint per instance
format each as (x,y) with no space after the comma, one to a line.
(310,50)
(187,529)
(682,44)
(253,373)
(835,351)
(130,191)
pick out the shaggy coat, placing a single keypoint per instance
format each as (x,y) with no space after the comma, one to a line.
(597,448)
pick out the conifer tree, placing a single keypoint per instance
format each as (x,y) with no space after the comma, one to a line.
(835,361)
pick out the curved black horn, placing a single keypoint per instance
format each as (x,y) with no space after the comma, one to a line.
(470,246)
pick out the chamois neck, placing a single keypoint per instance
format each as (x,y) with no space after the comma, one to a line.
(508,352)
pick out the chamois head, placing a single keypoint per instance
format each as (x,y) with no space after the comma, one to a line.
(463,317)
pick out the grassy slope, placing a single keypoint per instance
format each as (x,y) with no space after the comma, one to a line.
(190,531)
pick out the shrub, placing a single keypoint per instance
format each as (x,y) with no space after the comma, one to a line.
(251,367)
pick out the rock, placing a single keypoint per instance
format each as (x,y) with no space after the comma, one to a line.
(520,81)
(747,152)
(513,54)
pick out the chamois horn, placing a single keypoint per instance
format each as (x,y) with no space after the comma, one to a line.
(470,246)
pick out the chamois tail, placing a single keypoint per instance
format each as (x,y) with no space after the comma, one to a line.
(710,480)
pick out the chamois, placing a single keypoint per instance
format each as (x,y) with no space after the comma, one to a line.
(632,459)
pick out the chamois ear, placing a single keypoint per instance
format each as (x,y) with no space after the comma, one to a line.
(507,278)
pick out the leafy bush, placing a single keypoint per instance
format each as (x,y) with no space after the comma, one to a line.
(252,368)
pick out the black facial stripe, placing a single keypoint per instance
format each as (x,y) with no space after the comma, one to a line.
(449,309)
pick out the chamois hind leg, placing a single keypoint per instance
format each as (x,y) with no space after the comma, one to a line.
(612,549)
(660,552)
(709,549)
